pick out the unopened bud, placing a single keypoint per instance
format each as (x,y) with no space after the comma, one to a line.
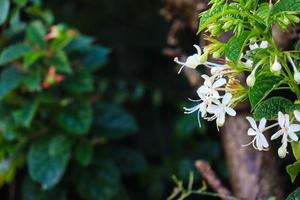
(250,80)
(282,152)
(204,57)
(276,67)
(297,76)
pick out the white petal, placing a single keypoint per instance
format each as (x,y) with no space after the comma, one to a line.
(205,77)
(252,122)
(192,61)
(259,144)
(230,111)
(264,44)
(281,119)
(276,135)
(213,109)
(253,46)
(293,136)
(202,90)
(297,115)
(221,120)
(263,140)
(251,132)
(226,99)
(215,94)
(294,127)
(262,124)
(219,83)
(199,51)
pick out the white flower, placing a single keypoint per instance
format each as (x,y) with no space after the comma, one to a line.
(251,80)
(220,109)
(263,45)
(297,115)
(192,61)
(211,86)
(259,142)
(287,131)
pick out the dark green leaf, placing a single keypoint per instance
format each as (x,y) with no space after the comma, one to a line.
(294,195)
(286,5)
(76,118)
(4,10)
(84,152)
(80,82)
(97,182)
(112,122)
(33,81)
(59,145)
(25,116)
(45,168)
(20,3)
(36,32)
(13,52)
(264,85)
(235,46)
(10,79)
(95,57)
(80,43)
(269,108)
(296,149)
(61,62)
(32,191)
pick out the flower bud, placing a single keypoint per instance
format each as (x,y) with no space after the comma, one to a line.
(297,76)
(250,80)
(227,25)
(282,152)
(276,67)
(204,57)
(216,54)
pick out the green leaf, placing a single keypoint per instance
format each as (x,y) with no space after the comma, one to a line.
(32,191)
(60,145)
(235,46)
(80,82)
(269,108)
(61,62)
(84,152)
(21,3)
(95,58)
(80,43)
(33,81)
(10,79)
(25,116)
(98,181)
(208,16)
(76,118)
(45,168)
(286,5)
(294,195)
(13,53)
(293,170)
(36,32)
(264,85)
(296,149)
(31,57)
(4,10)
(112,122)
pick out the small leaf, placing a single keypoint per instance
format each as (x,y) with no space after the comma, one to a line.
(59,145)
(76,118)
(208,16)
(286,5)
(80,82)
(84,152)
(25,116)
(269,108)
(264,85)
(10,79)
(45,168)
(4,10)
(235,46)
(13,52)
(112,122)
(36,32)
(296,149)
(293,170)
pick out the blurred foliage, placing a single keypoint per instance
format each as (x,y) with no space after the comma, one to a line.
(83,121)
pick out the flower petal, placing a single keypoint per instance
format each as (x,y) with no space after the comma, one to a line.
(220,82)
(262,124)
(213,109)
(226,99)
(297,115)
(294,127)
(293,136)
(262,139)
(281,119)
(221,119)
(264,44)
(230,111)
(251,132)
(276,135)
(199,51)
(252,122)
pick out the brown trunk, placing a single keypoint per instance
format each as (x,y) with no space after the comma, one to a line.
(253,175)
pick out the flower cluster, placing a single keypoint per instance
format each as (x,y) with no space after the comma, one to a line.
(220,92)
(286,130)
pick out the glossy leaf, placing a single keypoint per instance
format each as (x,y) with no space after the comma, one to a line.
(293,170)
(10,79)
(26,114)
(36,32)
(45,168)
(294,195)
(286,5)
(296,149)
(13,52)
(235,46)
(4,10)
(84,152)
